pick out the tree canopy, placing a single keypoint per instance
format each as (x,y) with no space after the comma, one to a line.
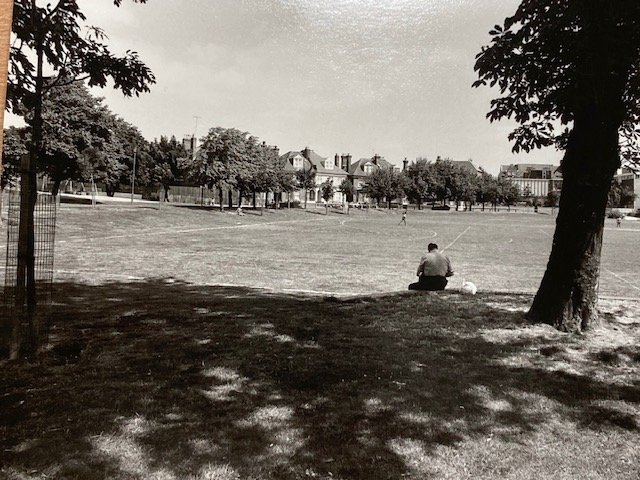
(56,35)
(551,55)
(385,183)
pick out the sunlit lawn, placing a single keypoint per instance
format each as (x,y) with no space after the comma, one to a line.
(156,370)
(358,253)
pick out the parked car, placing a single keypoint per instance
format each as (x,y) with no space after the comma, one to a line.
(441,207)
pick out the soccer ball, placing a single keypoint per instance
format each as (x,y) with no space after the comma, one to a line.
(468,288)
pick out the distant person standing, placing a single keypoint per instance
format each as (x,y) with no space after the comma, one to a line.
(618,222)
(433,270)
(404,218)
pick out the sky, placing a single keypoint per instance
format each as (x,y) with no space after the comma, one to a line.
(391,77)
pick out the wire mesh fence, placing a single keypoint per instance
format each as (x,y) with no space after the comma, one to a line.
(44,241)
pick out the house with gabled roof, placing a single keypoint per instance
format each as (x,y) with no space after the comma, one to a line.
(325,169)
(337,169)
(360,170)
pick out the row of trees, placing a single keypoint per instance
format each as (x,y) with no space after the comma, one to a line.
(439,181)
(83,140)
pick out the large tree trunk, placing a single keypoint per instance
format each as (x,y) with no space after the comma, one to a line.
(568,294)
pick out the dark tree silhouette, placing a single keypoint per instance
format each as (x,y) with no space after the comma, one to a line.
(575,65)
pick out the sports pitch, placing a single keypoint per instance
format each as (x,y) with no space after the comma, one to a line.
(145,377)
(308,251)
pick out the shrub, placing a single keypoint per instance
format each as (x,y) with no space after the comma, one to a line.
(615,214)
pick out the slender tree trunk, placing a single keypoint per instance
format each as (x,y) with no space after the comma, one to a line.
(305,199)
(568,294)
(26,336)
(221,198)
(55,188)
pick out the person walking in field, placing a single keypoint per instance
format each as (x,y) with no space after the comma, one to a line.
(433,270)
(404,218)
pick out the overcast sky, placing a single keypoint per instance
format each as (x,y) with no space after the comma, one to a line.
(391,77)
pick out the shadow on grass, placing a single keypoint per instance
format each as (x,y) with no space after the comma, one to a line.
(169,380)
(316,211)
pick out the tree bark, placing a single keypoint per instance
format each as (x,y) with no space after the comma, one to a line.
(568,294)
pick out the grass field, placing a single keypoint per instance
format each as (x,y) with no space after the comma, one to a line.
(296,250)
(195,345)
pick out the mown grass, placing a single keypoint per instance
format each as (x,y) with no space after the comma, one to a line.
(339,254)
(169,380)
(312,361)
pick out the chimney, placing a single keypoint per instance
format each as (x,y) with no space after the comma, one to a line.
(336,160)
(306,152)
(405,162)
(375,159)
(348,156)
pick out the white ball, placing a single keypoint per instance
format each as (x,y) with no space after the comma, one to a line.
(469,288)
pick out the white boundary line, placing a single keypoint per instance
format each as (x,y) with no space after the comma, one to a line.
(457,238)
(608,271)
(620,278)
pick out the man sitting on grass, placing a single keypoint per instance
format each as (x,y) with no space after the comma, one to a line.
(433,270)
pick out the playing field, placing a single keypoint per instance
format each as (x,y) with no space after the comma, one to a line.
(298,250)
(145,377)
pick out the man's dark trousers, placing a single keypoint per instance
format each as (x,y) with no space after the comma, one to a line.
(435,282)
